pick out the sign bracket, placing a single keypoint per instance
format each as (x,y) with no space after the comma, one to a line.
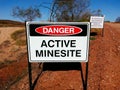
(84,77)
(30,76)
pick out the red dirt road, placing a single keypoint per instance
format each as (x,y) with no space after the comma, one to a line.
(104,67)
(104,70)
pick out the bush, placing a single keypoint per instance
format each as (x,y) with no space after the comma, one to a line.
(117,19)
(92,38)
(21,42)
(19,37)
(17,34)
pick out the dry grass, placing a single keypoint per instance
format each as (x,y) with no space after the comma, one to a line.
(17,34)
(5,63)
(20,42)
(92,38)
(19,37)
(10,23)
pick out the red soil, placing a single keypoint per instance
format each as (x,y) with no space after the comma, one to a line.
(103,73)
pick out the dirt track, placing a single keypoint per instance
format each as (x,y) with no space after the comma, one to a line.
(104,68)
(104,61)
(5,33)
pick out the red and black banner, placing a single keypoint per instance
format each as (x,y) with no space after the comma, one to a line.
(58,30)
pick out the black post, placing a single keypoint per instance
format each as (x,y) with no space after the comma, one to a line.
(84,79)
(86,76)
(30,75)
(103,29)
(82,76)
(103,32)
(29,65)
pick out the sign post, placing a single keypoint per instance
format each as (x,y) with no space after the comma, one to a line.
(58,41)
(97,22)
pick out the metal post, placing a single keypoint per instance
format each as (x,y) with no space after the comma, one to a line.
(86,76)
(103,32)
(82,76)
(84,80)
(29,65)
(103,28)
(30,75)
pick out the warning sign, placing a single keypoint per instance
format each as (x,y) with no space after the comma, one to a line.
(97,21)
(58,41)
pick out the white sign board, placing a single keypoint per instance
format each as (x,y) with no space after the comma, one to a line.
(97,21)
(58,41)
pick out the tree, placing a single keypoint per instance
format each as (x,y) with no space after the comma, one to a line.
(68,10)
(86,16)
(97,13)
(28,14)
(117,19)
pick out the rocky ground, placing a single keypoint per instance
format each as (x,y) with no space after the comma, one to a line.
(103,69)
